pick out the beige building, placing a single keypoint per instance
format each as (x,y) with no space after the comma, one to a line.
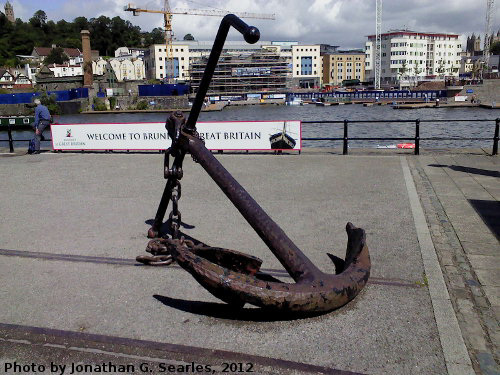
(307,65)
(126,69)
(343,65)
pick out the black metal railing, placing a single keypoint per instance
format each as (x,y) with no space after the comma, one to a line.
(416,137)
(346,139)
(11,140)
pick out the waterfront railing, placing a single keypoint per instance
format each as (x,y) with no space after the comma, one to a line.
(346,140)
(416,136)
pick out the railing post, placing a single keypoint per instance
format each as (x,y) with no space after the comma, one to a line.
(344,151)
(417,137)
(495,137)
(11,142)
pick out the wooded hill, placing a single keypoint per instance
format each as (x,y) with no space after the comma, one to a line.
(106,35)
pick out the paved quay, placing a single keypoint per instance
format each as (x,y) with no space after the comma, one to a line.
(72,293)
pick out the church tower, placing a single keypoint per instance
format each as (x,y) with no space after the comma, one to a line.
(9,12)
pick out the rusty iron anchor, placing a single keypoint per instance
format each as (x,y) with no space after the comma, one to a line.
(234,277)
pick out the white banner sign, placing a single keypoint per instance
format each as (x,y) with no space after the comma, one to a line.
(237,135)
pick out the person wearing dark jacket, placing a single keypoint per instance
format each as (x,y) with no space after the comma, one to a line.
(42,120)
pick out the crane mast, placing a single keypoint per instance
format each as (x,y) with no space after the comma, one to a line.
(490,4)
(167,15)
(378,27)
(169,60)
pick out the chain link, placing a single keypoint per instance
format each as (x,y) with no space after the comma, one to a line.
(155,260)
(175,215)
(160,254)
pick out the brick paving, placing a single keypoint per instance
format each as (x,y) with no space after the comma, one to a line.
(460,198)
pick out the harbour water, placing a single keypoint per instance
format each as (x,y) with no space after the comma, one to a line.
(469,129)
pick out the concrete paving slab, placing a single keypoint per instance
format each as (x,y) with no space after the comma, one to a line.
(479,248)
(96,205)
(484,262)
(493,294)
(488,277)
(389,329)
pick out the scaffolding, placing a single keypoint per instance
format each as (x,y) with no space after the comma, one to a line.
(244,73)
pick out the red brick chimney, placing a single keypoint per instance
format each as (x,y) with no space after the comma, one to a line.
(87,59)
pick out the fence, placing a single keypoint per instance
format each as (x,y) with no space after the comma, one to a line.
(63,95)
(416,138)
(394,94)
(345,139)
(163,90)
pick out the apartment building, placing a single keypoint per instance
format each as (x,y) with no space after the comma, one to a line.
(155,62)
(410,55)
(307,66)
(343,66)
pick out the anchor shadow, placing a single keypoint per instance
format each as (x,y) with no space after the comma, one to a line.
(165,227)
(228,312)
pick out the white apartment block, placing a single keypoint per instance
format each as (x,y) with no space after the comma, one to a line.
(409,55)
(154,62)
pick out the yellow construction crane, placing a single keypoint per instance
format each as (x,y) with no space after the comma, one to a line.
(167,15)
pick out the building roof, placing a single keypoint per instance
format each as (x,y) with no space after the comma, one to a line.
(3,71)
(410,32)
(45,51)
(63,66)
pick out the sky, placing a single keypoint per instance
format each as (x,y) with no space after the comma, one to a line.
(345,23)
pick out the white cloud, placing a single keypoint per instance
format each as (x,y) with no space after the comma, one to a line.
(339,22)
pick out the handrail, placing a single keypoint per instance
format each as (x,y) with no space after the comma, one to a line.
(417,138)
(345,138)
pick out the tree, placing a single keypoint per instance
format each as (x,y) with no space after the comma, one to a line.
(476,69)
(441,67)
(188,37)
(20,37)
(403,70)
(80,23)
(495,48)
(38,19)
(56,56)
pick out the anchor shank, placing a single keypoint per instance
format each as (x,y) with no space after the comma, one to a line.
(300,268)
